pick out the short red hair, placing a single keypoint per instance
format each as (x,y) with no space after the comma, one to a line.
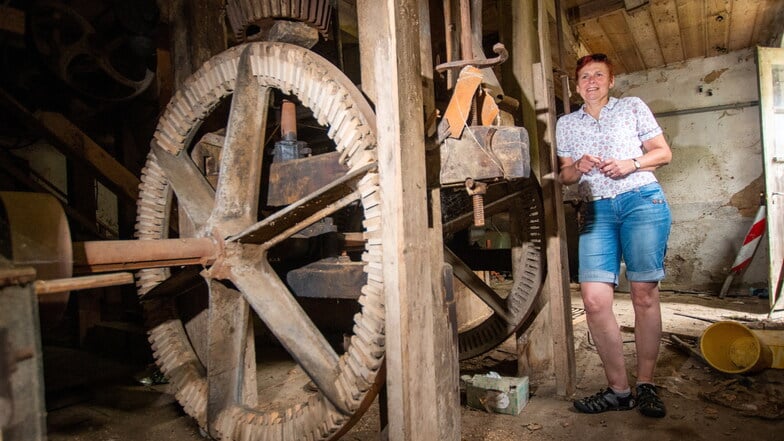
(593,58)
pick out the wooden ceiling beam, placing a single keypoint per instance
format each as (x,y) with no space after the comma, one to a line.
(667,29)
(617,30)
(66,137)
(593,10)
(644,36)
(691,15)
(717,22)
(592,33)
(744,14)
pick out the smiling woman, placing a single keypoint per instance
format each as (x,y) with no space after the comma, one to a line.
(610,147)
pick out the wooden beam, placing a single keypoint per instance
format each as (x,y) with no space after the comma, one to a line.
(535,345)
(667,29)
(197,32)
(349,24)
(691,17)
(616,29)
(718,27)
(643,33)
(742,20)
(769,25)
(391,58)
(445,342)
(74,143)
(367,14)
(556,283)
(593,9)
(592,33)
(53,286)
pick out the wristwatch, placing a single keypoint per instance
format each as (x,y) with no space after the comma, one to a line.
(636,164)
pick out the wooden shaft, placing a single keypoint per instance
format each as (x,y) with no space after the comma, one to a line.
(465,30)
(43,287)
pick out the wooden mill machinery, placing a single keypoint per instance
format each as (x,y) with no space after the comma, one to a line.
(259,253)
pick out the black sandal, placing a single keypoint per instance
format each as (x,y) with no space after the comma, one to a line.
(604,401)
(649,402)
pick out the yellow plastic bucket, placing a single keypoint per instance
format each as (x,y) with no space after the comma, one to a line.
(733,348)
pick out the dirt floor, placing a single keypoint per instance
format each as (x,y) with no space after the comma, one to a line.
(703,404)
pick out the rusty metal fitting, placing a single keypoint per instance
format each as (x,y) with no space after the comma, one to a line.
(288,120)
(477,191)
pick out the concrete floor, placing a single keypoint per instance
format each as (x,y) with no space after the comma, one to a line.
(703,404)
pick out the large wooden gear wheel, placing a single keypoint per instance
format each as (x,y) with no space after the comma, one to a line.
(207,346)
(513,209)
(216,380)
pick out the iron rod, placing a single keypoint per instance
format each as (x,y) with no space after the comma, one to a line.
(112,255)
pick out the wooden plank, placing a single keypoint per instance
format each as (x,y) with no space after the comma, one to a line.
(368,13)
(76,144)
(197,31)
(614,25)
(593,10)
(444,308)
(556,283)
(349,24)
(535,346)
(717,26)
(70,140)
(770,19)
(597,41)
(411,337)
(572,47)
(771,73)
(691,17)
(667,29)
(742,20)
(53,286)
(643,33)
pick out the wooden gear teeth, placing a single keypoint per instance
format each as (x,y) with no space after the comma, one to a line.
(288,68)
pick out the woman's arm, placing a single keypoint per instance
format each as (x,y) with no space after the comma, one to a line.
(568,173)
(657,153)
(571,171)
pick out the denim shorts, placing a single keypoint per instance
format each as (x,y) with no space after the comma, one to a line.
(633,226)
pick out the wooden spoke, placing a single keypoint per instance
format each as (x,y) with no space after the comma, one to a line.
(275,305)
(306,211)
(195,196)
(237,193)
(231,362)
(477,285)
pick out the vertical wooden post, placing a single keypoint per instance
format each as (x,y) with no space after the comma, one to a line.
(415,331)
(525,29)
(447,369)
(197,32)
(557,282)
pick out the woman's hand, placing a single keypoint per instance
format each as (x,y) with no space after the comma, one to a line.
(617,168)
(572,171)
(587,163)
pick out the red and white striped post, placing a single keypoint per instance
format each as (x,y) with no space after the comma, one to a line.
(750,244)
